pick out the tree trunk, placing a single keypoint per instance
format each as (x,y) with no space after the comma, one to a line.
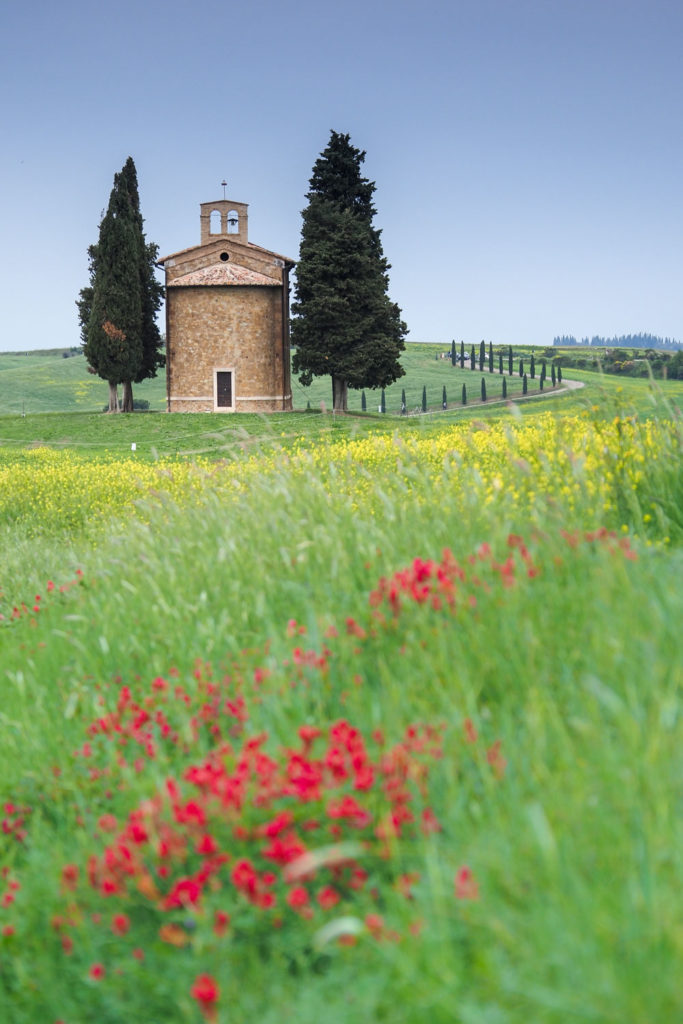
(339,395)
(127,403)
(113,397)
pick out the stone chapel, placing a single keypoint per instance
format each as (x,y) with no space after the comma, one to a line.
(227,319)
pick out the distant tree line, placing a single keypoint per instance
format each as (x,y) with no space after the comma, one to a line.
(623,341)
(621,361)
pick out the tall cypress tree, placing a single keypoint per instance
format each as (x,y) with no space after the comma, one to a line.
(482,354)
(117,311)
(483,389)
(444,400)
(533,367)
(509,360)
(462,354)
(453,352)
(153,358)
(344,323)
(424,398)
(490,357)
(473,360)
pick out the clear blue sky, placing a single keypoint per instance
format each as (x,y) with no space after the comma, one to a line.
(528,154)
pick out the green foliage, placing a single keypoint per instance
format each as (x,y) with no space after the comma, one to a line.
(344,322)
(117,310)
(556,787)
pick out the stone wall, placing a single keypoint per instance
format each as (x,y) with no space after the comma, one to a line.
(232,328)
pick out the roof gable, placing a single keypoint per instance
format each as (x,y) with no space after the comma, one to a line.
(220,274)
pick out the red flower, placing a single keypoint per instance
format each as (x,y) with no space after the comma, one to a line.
(96,972)
(297,897)
(70,875)
(206,992)
(221,922)
(466,887)
(185,891)
(120,923)
(470,731)
(328,897)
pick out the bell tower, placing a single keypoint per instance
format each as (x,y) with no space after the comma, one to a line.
(225,219)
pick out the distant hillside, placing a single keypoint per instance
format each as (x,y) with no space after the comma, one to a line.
(623,341)
(49,381)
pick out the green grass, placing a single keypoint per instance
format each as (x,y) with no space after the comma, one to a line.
(62,406)
(575,845)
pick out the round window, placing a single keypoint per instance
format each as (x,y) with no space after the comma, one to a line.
(225,257)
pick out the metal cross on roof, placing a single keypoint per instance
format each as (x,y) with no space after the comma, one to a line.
(225,185)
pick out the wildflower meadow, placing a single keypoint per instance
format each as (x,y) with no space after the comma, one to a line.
(382,727)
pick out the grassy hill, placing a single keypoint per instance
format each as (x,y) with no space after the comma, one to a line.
(49,383)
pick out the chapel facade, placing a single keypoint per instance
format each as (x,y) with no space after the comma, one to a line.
(227,319)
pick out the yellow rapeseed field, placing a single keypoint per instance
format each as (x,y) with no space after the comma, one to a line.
(571,461)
